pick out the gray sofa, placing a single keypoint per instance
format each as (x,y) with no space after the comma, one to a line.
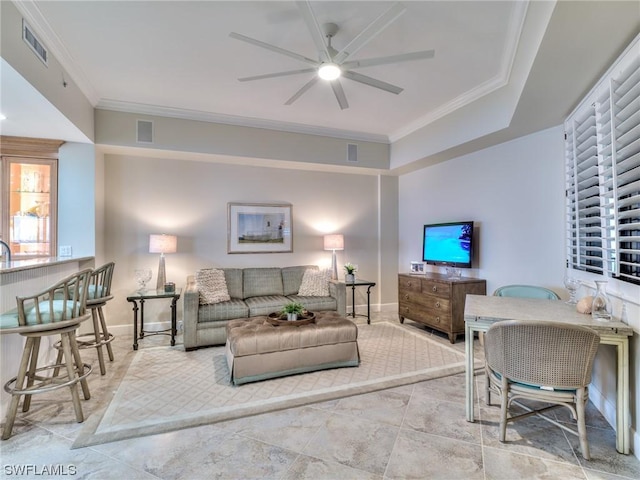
(253,292)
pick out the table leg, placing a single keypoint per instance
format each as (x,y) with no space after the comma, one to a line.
(353,301)
(173,321)
(468,347)
(622,405)
(135,324)
(369,304)
(142,318)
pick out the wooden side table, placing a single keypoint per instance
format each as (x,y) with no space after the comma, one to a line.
(358,282)
(143,295)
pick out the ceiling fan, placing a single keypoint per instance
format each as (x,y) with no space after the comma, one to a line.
(333,64)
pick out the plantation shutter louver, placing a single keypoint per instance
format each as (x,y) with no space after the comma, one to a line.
(602,152)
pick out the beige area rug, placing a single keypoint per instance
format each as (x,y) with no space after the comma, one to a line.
(166,388)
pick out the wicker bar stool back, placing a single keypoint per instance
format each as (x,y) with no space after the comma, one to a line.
(58,310)
(99,293)
(542,361)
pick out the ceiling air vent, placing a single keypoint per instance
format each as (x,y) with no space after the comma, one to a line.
(30,38)
(352,152)
(144,131)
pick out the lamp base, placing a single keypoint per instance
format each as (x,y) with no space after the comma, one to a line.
(334,267)
(161,274)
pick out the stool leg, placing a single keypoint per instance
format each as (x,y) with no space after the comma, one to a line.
(105,333)
(56,371)
(31,374)
(96,333)
(79,364)
(68,357)
(15,398)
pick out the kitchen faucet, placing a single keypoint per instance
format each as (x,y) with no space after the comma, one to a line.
(8,250)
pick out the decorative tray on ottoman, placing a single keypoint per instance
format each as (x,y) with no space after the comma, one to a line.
(277,319)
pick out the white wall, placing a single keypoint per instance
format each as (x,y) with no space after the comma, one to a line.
(76,198)
(515,194)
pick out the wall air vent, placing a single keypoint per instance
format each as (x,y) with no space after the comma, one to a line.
(36,45)
(144,131)
(352,152)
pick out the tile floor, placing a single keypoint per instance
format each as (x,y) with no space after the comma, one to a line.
(412,432)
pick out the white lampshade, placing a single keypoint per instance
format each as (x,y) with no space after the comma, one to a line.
(162,243)
(334,242)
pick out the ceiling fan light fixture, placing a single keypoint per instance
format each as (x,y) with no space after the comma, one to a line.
(329,71)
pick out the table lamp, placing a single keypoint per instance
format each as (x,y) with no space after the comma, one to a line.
(161,243)
(334,242)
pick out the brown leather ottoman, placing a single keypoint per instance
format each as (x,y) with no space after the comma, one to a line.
(257,350)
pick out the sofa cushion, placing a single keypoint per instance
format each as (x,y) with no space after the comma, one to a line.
(292,278)
(212,286)
(315,283)
(265,304)
(233,277)
(258,282)
(234,308)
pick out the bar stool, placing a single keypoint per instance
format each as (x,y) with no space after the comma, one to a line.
(98,294)
(58,310)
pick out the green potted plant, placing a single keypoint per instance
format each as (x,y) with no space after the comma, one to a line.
(292,310)
(351,269)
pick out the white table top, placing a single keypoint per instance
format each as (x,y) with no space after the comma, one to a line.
(492,308)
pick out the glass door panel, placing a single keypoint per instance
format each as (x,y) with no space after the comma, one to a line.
(31,207)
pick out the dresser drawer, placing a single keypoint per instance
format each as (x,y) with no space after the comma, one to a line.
(434,318)
(409,284)
(425,301)
(440,289)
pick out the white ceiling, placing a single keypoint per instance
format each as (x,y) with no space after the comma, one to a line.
(171,57)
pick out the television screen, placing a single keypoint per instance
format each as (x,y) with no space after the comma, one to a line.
(449,244)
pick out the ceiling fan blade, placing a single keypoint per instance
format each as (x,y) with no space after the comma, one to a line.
(278,74)
(304,88)
(404,57)
(314,28)
(273,48)
(377,26)
(372,82)
(339,93)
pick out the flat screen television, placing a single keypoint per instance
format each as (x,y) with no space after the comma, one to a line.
(448,244)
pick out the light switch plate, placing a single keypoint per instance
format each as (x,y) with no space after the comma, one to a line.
(65,250)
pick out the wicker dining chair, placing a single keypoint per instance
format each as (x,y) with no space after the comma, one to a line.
(58,310)
(526,291)
(543,361)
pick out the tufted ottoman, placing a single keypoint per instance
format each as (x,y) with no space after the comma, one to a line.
(257,350)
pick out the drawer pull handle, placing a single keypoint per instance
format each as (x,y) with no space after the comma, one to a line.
(438,305)
(406,296)
(437,319)
(434,288)
(408,284)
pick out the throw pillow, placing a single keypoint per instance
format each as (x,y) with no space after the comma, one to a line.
(315,283)
(212,286)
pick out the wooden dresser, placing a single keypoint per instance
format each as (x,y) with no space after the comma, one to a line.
(436,300)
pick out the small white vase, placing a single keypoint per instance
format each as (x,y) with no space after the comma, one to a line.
(349,278)
(292,317)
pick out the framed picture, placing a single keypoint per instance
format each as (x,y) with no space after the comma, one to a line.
(259,228)
(417,267)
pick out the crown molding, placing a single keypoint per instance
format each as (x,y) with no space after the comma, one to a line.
(514,32)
